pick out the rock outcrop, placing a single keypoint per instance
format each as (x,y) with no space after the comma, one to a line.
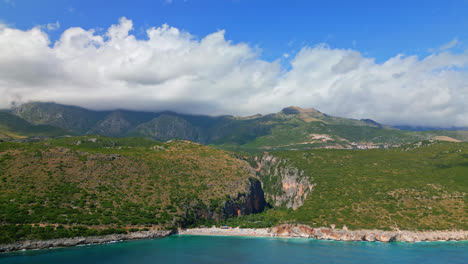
(253,201)
(283,184)
(69,242)
(365,235)
(250,200)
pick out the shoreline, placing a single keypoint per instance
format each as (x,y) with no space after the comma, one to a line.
(216,231)
(281,231)
(77,241)
(323,233)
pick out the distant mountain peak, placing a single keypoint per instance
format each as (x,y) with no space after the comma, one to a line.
(292,110)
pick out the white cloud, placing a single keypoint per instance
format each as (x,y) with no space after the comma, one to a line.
(449,45)
(172,70)
(53,26)
(50,26)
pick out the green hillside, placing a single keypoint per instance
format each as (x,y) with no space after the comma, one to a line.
(422,186)
(102,183)
(298,129)
(97,185)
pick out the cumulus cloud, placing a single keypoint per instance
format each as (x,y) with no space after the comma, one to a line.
(173,70)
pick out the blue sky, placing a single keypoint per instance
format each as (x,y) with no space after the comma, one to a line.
(397,62)
(376,29)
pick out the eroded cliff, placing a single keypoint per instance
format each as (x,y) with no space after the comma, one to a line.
(283,184)
(250,199)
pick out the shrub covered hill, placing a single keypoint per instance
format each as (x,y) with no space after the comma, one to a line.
(95,185)
(420,186)
(92,185)
(290,129)
(314,169)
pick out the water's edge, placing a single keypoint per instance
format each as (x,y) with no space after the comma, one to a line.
(285,231)
(75,241)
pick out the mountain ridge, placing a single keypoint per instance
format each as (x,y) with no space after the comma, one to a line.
(291,128)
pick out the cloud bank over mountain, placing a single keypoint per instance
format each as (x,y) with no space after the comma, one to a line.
(173,70)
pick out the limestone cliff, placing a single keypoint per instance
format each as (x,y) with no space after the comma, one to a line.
(283,184)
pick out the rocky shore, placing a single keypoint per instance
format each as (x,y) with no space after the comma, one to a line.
(69,242)
(286,230)
(366,235)
(323,233)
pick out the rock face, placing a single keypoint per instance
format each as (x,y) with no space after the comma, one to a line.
(253,201)
(283,184)
(365,235)
(68,242)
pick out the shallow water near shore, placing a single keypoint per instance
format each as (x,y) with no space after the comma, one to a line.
(224,249)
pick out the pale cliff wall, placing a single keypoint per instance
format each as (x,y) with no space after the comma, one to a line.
(283,184)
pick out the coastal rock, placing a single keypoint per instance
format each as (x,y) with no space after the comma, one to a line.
(69,242)
(405,237)
(369,237)
(366,235)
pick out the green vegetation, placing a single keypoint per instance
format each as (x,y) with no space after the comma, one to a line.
(422,186)
(10,233)
(92,185)
(103,183)
(268,218)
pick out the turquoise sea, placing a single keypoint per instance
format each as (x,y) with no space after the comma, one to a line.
(213,249)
